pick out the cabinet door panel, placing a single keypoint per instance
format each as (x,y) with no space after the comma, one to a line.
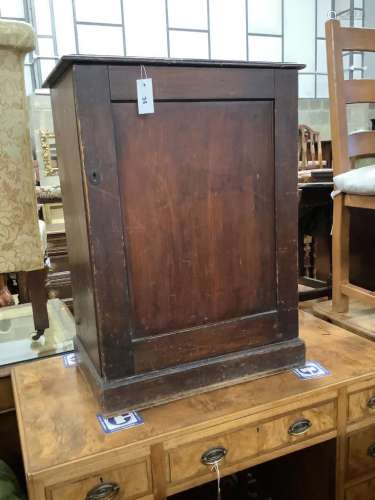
(198,212)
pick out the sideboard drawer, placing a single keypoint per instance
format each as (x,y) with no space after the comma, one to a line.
(363,491)
(247,442)
(297,426)
(361,405)
(185,461)
(132,482)
(361,453)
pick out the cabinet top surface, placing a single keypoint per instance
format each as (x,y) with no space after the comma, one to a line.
(67,61)
(57,412)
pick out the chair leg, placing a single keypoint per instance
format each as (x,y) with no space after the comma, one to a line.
(38,295)
(340,254)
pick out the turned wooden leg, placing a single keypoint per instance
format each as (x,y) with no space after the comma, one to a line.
(6,298)
(340,254)
(38,295)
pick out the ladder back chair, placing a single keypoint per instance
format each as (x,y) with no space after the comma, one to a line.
(355,187)
(310,154)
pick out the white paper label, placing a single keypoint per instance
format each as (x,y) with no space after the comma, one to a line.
(113,424)
(310,370)
(145,96)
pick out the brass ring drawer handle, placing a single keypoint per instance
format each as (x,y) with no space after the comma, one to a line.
(300,427)
(371,450)
(371,403)
(214,456)
(103,491)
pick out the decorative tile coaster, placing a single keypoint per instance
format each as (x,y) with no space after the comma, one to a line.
(310,370)
(70,359)
(119,422)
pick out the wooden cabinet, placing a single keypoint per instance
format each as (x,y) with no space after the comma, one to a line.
(193,212)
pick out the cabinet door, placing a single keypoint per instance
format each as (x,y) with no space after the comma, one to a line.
(197,182)
(192,211)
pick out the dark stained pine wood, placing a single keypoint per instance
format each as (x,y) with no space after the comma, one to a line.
(193,213)
(105,233)
(286,200)
(72,180)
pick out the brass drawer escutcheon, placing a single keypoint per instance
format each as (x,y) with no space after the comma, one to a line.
(103,491)
(214,456)
(371,450)
(300,427)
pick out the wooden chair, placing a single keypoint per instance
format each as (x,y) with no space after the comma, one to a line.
(310,155)
(346,149)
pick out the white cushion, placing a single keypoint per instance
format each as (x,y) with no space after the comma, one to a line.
(356,181)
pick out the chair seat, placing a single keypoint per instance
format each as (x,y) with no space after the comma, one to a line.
(359,181)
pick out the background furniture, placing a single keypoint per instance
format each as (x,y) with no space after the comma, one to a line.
(314,157)
(52,282)
(314,224)
(20,241)
(21,247)
(9,437)
(179,207)
(310,152)
(345,151)
(66,453)
(16,344)
(314,215)
(43,139)
(6,299)
(58,282)
(17,347)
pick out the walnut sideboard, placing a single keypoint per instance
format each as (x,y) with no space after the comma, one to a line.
(192,211)
(66,454)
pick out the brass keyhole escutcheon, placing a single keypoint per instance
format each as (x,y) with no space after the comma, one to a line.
(300,427)
(371,450)
(103,491)
(214,456)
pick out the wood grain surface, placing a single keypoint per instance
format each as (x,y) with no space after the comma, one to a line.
(50,396)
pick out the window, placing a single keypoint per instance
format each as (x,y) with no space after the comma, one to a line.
(254,30)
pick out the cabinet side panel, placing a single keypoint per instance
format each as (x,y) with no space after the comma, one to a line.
(105,228)
(286,201)
(67,144)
